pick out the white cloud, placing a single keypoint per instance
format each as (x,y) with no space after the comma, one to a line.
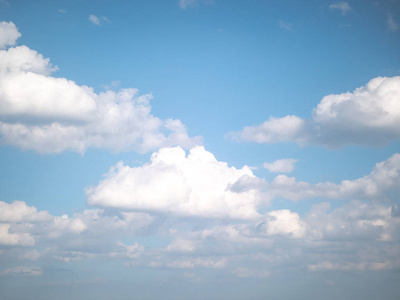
(98,20)
(48,114)
(18,211)
(21,59)
(369,115)
(14,239)
(378,185)
(284,222)
(95,20)
(344,7)
(281,165)
(172,182)
(8,34)
(392,24)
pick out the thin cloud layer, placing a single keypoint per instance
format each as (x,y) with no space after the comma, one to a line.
(370,115)
(343,7)
(49,115)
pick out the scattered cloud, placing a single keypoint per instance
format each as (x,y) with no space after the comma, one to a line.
(98,20)
(285,25)
(392,24)
(8,34)
(50,114)
(343,7)
(63,11)
(370,115)
(230,232)
(186,3)
(95,20)
(281,165)
(183,4)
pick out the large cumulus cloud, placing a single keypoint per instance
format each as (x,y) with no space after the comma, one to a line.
(196,184)
(48,114)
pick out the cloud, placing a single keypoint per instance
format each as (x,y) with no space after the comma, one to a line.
(49,115)
(281,165)
(18,211)
(192,185)
(378,185)
(183,4)
(344,7)
(284,222)
(22,271)
(392,24)
(285,25)
(186,3)
(14,239)
(98,20)
(370,115)
(8,34)
(95,20)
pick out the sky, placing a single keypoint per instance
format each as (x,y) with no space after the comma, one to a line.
(199,149)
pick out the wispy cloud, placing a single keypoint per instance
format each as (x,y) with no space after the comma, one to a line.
(392,24)
(22,271)
(344,7)
(183,4)
(98,20)
(285,25)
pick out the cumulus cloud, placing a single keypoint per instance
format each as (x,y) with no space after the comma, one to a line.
(343,7)
(281,165)
(370,115)
(8,34)
(49,115)
(379,185)
(18,211)
(196,184)
(284,222)
(14,238)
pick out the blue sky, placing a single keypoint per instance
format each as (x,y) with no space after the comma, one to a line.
(199,149)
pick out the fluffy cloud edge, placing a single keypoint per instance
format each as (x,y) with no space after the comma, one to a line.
(50,115)
(370,115)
